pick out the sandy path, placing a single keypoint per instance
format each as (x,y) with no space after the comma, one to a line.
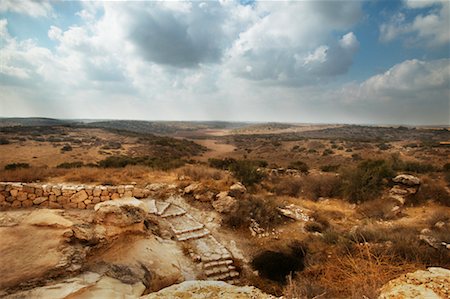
(215,149)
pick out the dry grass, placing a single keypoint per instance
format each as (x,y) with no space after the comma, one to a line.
(28,175)
(111,176)
(201,172)
(359,274)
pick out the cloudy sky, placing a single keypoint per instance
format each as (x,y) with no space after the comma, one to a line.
(306,61)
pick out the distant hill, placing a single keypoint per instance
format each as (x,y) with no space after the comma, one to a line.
(32,121)
(163,127)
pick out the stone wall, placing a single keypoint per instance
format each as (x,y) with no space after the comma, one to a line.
(63,196)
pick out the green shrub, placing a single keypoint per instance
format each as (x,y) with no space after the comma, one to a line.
(366,181)
(160,162)
(327,152)
(330,168)
(14,166)
(418,167)
(66,148)
(246,171)
(67,165)
(299,165)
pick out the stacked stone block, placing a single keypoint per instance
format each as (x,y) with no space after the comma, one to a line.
(63,196)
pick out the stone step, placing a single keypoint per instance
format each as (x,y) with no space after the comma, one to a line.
(215,257)
(217,263)
(219,270)
(196,234)
(173,211)
(151,205)
(224,276)
(184,223)
(161,207)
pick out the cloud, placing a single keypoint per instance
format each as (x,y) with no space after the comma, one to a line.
(406,81)
(41,8)
(430,29)
(293,43)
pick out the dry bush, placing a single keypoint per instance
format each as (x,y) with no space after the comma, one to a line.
(431,190)
(28,175)
(110,176)
(201,172)
(378,208)
(262,210)
(290,186)
(325,185)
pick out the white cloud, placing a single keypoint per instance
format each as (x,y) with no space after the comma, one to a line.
(430,29)
(294,43)
(33,8)
(409,81)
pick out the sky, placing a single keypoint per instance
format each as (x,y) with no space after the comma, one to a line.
(363,62)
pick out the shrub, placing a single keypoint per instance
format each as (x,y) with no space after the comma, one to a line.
(246,171)
(262,210)
(4,141)
(327,152)
(330,168)
(325,185)
(366,181)
(431,190)
(313,226)
(66,148)
(418,167)
(384,146)
(290,186)
(299,165)
(446,167)
(14,166)
(67,165)
(160,162)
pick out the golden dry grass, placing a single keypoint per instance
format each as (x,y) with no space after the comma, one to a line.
(358,274)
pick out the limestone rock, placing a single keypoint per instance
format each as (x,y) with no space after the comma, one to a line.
(86,285)
(192,188)
(45,217)
(224,204)
(407,179)
(295,212)
(433,283)
(121,212)
(196,289)
(80,196)
(237,188)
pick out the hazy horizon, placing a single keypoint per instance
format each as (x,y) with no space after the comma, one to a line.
(318,62)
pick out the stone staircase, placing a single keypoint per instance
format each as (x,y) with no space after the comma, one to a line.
(217,262)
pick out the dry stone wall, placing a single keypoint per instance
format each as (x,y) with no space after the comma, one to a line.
(63,196)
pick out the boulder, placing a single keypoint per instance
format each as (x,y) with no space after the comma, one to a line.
(237,189)
(80,196)
(192,188)
(224,204)
(200,289)
(121,212)
(433,283)
(407,179)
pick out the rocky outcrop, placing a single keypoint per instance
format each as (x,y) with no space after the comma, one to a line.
(407,179)
(208,289)
(224,203)
(406,185)
(86,285)
(433,283)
